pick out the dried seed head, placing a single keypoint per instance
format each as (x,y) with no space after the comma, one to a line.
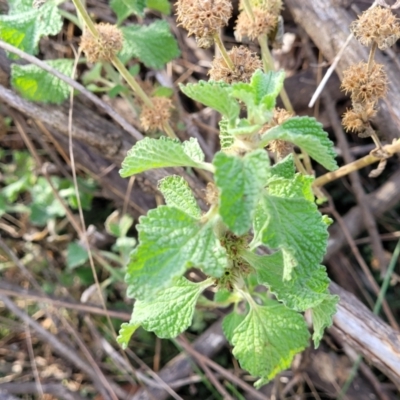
(281,115)
(280,147)
(357,119)
(203,18)
(211,194)
(264,22)
(155,117)
(273,6)
(104,47)
(365,86)
(245,62)
(378,25)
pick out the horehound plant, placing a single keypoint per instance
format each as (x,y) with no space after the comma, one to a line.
(367,81)
(261,240)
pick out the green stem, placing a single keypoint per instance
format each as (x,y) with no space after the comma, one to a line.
(376,310)
(86,17)
(299,164)
(169,131)
(131,81)
(224,53)
(248,8)
(266,56)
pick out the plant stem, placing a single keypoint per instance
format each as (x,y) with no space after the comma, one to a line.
(86,17)
(131,81)
(299,164)
(224,53)
(248,8)
(356,165)
(376,140)
(268,62)
(371,57)
(169,131)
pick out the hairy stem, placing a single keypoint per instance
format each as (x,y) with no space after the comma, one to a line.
(86,17)
(224,53)
(248,8)
(169,131)
(131,81)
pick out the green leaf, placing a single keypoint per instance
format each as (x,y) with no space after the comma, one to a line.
(263,89)
(230,323)
(163,91)
(216,95)
(170,242)
(35,84)
(161,153)
(19,6)
(170,313)
(259,95)
(322,317)
(24,26)
(49,19)
(76,255)
(118,225)
(283,169)
(153,45)
(294,225)
(268,339)
(178,194)
(307,133)
(160,5)
(124,8)
(244,127)
(240,181)
(20,31)
(299,186)
(125,333)
(307,288)
(225,135)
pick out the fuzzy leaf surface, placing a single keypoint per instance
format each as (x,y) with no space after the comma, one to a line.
(259,94)
(307,133)
(283,169)
(240,181)
(226,137)
(230,323)
(125,333)
(35,84)
(293,225)
(322,315)
(170,313)
(263,88)
(307,288)
(124,8)
(178,194)
(154,45)
(161,153)
(268,339)
(170,242)
(23,27)
(299,186)
(216,95)
(163,6)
